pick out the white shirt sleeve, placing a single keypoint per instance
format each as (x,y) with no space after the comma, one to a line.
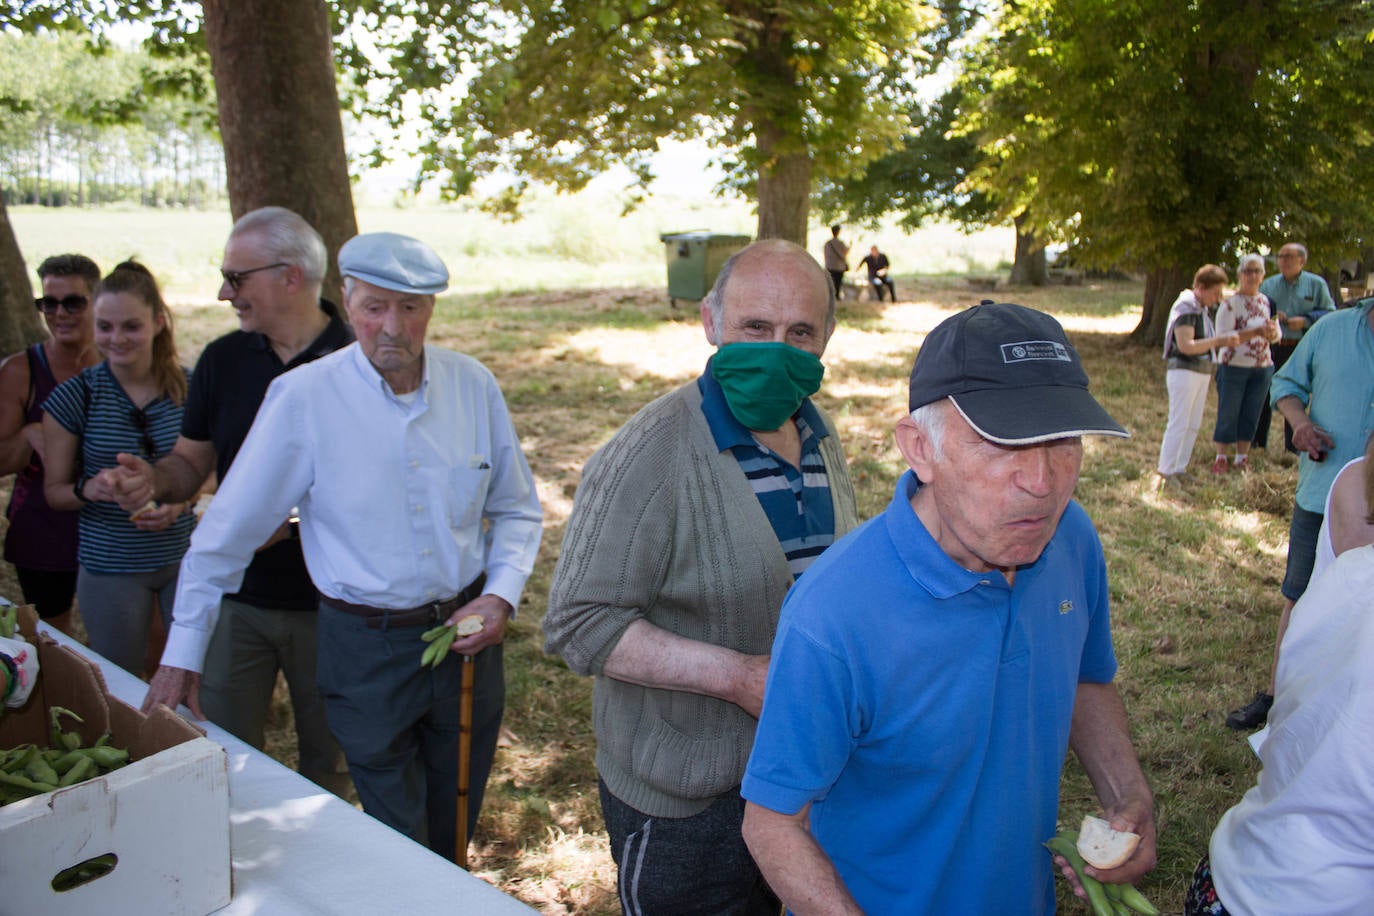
(270,475)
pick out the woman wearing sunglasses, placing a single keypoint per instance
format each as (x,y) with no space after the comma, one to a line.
(41,542)
(131,402)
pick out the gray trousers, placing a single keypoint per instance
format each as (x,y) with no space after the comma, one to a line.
(683,866)
(398,724)
(249,646)
(116,609)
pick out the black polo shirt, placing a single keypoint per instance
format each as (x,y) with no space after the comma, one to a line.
(226,390)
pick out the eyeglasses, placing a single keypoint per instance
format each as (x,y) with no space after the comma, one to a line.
(72,305)
(235,277)
(139,417)
(1253,270)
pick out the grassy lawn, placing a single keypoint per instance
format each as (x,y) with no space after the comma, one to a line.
(1195,572)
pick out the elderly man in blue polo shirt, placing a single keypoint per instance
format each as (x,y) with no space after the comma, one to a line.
(1297,299)
(688,529)
(416,508)
(933,667)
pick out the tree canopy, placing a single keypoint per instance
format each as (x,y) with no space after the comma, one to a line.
(1162,136)
(98,124)
(560,90)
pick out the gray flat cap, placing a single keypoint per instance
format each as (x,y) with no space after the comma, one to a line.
(393,261)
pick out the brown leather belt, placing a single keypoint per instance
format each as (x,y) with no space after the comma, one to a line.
(430,614)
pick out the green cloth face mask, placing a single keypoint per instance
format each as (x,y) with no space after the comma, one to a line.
(765,383)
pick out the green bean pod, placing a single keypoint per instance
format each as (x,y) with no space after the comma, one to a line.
(427,656)
(431,635)
(39,770)
(1097,896)
(1137,901)
(441,645)
(107,758)
(62,760)
(19,758)
(23,782)
(85,768)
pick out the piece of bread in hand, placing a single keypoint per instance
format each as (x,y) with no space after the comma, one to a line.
(1102,847)
(143,510)
(470,625)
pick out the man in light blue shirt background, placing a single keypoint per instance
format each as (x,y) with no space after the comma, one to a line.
(416,508)
(1297,299)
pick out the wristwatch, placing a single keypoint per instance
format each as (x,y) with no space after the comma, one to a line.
(76,488)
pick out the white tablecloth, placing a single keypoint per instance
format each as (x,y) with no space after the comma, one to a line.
(297,849)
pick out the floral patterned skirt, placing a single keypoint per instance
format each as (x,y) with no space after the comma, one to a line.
(1202,895)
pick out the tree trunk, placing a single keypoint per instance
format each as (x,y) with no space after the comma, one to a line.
(1029,267)
(273,63)
(784,197)
(19,321)
(1162,286)
(784,171)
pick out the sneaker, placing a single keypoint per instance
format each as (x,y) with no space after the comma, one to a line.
(1219,466)
(1242,463)
(1253,714)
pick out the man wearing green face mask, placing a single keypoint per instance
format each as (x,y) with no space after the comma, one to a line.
(688,529)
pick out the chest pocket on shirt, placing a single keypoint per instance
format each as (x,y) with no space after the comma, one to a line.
(467,494)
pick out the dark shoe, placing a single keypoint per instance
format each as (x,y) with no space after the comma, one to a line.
(1253,714)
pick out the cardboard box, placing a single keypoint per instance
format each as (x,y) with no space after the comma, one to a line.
(164,817)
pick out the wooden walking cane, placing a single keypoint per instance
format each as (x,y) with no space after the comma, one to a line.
(460,851)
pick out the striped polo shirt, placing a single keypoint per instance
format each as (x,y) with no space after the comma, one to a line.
(93,407)
(797,502)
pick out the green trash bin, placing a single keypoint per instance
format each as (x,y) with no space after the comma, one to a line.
(694,259)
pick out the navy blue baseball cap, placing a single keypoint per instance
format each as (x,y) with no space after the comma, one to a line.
(1012,374)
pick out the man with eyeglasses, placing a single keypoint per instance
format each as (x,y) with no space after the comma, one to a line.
(1298,299)
(41,542)
(273,269)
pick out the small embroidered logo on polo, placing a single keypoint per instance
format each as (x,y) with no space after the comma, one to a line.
(1065,606)
(1028,350)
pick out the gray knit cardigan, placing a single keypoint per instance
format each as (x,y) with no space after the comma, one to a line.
(666,528)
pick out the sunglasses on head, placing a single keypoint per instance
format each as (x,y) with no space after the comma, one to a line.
(72,305)
(139,417)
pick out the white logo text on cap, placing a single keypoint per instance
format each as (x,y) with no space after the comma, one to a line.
(1035,349)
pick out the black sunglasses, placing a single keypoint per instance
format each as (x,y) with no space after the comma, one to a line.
(139,417)
(235,277)
(72,305)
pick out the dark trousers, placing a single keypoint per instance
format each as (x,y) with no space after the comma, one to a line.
(1303,531)
(837,278)
(249,646)
(1261,440)
(878,283)
(398,724)
(685,866)
(51,593)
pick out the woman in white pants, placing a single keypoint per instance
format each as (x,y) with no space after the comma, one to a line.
(1188,345)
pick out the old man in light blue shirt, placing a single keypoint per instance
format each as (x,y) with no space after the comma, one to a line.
(1297,299)
(416,508)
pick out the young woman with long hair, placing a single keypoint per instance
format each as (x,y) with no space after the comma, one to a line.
(131,402)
